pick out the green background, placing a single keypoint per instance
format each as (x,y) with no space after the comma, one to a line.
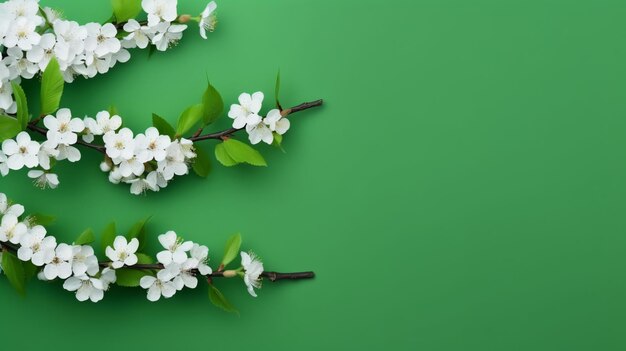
(463,188)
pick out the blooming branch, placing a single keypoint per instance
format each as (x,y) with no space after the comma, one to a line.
(28,250)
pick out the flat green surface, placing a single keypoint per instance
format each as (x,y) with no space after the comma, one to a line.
(463,188)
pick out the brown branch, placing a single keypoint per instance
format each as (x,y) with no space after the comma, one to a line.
(228,132)
(196,137)
(272,276)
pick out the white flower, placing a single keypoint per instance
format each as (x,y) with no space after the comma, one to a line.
(63,129)
(69,153)
(6,98)
(253,268)
(107,123)
(6,209)
(70,41)
(37,247)
(11,229)
(201,254)
(51,14)
(44,179)
(186,276)
(23,33)
(153,146)
(120,145)
(167,35)
(159,286)
(132,166)
(159,10)
(152,182)
(174,162)
(42,53)
(277,122)
(4,168)
(175,249)
(107,277)
(19,65)
(60,265)
(24,8)
(187,148)
(86,288)
(247,112)
(259,132)
(207,20)
(46,151)
(101,39)
(123,252)
(84,261)
(139,36)
(21,152)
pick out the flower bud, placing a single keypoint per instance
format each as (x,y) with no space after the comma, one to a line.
(230,274)
(184,18)
(105,166)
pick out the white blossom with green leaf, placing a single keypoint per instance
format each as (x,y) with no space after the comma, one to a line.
(27,250)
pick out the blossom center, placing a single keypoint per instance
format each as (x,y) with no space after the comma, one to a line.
(23,150)
(119,145)
(63,127)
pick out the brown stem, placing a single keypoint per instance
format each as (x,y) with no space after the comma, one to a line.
(272,276)
(196,137)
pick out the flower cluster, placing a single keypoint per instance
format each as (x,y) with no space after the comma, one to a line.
(146,161)
(30,36)
(246,114)
(179,264)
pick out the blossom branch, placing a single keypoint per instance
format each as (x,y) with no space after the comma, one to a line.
(228,132)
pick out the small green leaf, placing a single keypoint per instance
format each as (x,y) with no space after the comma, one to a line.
(213,105)
(162,126)
(22,106)
(223,156)
(218,299)
(232,249)
(13,269)
(190,117)
(85,238)
(123,10)
(42,219)
(108,236)
(9,127)
(144,259)
(51,87)
(138,230)
(242,152)
(277,90)
(113,110)
(201,164)
(130,278)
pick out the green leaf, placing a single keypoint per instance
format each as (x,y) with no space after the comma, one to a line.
(232,249)
(218,299)
(277,90)
(9,127)
(162,126)
(42,219)
(138,230)
(223,156)
(30,270)
(213,105)
(189,118)
(13,269)
(242,152)
(108,236)
(201,165)
(51,87)
(85,238)
(130,278)
(144,259)
(123,10)
(22,106)
(113,110)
